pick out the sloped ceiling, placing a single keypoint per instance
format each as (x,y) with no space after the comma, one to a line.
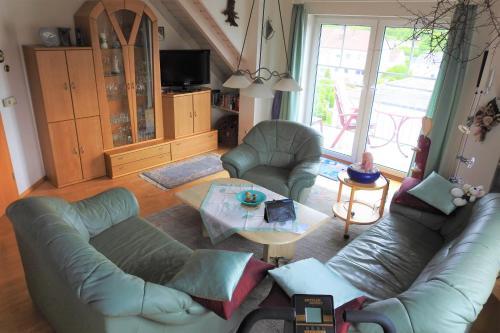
(195,24)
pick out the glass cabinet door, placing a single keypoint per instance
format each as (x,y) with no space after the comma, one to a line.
(143,64)
(114,64)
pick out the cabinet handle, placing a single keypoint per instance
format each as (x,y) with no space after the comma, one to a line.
(75,151)
(195,114)
(73,86)
(65,86)
(82,150)
(190,115)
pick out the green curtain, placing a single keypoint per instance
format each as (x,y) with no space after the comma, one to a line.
(288,110)
(443,105)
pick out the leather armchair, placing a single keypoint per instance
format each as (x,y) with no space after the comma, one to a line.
(282,156)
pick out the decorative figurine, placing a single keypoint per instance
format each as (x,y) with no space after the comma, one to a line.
(103,40)
(116,66)
(231,14)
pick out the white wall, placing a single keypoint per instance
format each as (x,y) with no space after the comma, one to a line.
(19,24)
(487,153)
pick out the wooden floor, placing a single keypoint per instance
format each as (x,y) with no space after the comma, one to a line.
(17,313)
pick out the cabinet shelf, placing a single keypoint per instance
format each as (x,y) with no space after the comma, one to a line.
(226,109)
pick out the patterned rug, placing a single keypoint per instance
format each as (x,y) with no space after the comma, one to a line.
(178,173)
(184,224)
(330,168)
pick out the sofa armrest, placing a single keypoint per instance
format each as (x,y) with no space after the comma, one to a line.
(239,160)
(393,309)
(305,171)
(104,210)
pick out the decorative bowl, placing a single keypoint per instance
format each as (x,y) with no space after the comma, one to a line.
(361,176)
(260,198)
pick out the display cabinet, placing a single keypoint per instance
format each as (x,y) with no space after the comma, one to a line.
(124,38)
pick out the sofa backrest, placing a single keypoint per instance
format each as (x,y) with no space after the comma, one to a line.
(451,291)
(283,144)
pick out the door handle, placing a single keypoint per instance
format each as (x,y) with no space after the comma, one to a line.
(73,85)
(65,86)
(75,151)
(82,150)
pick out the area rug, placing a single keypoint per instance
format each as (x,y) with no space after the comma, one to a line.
(178,173)
(184,224)
(330,168)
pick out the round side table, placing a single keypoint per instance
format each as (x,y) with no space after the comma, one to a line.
(353,211)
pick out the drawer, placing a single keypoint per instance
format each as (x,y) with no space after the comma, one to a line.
(136,155)
(124,169)
(194,145)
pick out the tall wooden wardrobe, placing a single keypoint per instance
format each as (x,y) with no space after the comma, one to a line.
(64,95)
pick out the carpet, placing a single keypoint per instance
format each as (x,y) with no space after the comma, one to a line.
(184,224)
(178,173)
(330,168)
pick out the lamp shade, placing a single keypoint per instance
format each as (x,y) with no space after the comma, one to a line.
(287,83)
(237,81)
(258,90)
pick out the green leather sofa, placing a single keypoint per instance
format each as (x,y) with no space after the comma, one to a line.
(282,156)
(96,266)
(427,273)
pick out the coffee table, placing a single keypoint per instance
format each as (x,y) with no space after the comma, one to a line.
(276,244)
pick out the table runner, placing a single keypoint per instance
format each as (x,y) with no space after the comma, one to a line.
(223,215)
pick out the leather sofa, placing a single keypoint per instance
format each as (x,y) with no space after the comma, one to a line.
(282,156)
(426,272)
(96,266)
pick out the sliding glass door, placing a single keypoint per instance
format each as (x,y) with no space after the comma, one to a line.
(370,89)
(339,83)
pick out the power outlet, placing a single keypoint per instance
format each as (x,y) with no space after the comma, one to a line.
(9,101)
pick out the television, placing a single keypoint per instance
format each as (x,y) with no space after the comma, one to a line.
(184,68)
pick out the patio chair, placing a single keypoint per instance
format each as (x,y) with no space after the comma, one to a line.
(348,115)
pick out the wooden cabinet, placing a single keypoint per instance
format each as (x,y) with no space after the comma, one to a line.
(64,142)
(54,83)
(65,102)
(124,39)
(186,114)
(90,147)
(202,110)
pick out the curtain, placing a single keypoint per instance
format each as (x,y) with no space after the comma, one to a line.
(443,105)
(289,100)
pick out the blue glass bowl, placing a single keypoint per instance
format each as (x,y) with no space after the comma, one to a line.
(362,177)
(260,198)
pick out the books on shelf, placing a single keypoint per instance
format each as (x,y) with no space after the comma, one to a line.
(226,100)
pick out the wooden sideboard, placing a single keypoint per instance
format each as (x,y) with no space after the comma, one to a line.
(63,89)
(186,114)
(124,161)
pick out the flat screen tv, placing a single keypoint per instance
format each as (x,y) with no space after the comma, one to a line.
(184,68)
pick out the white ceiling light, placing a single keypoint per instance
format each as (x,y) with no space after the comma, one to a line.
(257,88)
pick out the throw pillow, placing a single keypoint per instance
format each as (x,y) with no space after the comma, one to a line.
(211,274)
(254,273)
(435,190)
(278,298)
(402,197)
(309,276)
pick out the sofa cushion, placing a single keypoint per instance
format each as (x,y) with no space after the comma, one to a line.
(402,197)
(255,271)
(311,277)
(386,259)
(435,190)
(211,274)
(140,249)
(272,178)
